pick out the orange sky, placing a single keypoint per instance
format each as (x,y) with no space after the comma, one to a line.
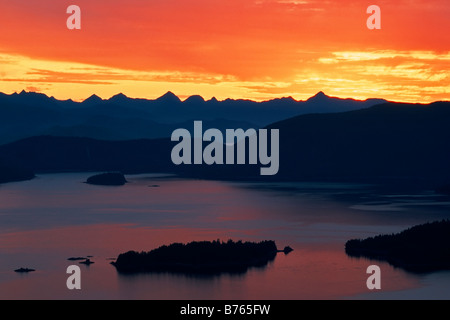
(253,49)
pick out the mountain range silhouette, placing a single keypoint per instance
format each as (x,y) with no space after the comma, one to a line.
(29,114)
(374,141)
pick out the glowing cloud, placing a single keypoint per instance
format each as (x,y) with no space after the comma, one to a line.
(255,49)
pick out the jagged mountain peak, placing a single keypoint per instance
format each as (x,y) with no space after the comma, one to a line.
(169,96)
(93,99)
(319,96)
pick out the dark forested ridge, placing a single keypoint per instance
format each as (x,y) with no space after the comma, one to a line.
(61,154)
(422,248)
(388,141)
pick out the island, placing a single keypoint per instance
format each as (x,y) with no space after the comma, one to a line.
(286,250)
(24,270)
(76,258)
(87,262)
(199,257)
(420,249)
(107,179)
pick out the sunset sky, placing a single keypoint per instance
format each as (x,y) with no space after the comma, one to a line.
(251,49)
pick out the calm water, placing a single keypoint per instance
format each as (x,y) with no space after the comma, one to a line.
(53,217)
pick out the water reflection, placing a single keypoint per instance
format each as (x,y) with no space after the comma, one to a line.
(46,220)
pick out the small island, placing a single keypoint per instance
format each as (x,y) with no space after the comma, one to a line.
(87,262)
(202,257)
(286,250)
(107,179)
(422,248)
(24,270)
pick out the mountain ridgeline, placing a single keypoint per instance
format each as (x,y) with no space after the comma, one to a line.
(407,143)
(29,114)
(398,141)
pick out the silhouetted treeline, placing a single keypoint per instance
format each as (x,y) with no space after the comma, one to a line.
(199,257)
(422,248)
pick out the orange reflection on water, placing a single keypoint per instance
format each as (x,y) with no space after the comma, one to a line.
(311,271)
